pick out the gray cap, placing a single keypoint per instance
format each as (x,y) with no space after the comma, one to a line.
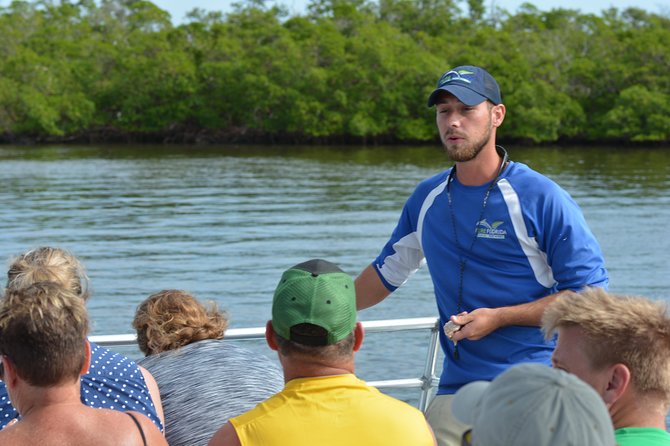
(534,405)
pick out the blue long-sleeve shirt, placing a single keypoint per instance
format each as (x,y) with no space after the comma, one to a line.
(531,240)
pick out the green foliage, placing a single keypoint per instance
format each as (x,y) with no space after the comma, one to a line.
(640,115)
(346,70)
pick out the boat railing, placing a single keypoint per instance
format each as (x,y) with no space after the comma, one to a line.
(425,383)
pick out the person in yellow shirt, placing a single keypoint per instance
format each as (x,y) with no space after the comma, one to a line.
(315,333)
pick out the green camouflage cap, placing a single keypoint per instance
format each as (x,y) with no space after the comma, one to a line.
(315,292)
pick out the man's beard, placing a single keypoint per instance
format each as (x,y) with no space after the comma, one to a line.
(468,151)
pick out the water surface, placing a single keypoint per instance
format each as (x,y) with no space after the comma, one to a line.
(224,222)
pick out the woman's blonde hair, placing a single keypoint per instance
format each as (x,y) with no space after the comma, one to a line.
(171,319)
(47,264)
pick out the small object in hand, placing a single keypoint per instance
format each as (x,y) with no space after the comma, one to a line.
(450,328)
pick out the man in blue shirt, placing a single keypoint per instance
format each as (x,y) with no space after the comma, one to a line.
(500,241)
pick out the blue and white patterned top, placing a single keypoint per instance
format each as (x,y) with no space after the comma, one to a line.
(113,382)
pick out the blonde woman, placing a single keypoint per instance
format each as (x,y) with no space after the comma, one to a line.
(113,381)
(44,351)
(203,379)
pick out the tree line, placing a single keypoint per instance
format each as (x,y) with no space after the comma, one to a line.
(354,71)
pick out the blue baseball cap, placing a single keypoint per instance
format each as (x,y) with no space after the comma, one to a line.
(471,85)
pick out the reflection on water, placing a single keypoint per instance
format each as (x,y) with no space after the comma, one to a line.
(224,222)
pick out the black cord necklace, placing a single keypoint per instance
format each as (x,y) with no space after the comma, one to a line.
(462,261)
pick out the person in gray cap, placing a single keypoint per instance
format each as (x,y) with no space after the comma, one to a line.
(500,241)
(533,405)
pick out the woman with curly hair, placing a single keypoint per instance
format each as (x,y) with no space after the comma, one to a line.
(203,380)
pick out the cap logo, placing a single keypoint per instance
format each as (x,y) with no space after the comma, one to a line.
(453,75)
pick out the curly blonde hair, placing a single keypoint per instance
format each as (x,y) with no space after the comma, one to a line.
(48,264)
(171,319)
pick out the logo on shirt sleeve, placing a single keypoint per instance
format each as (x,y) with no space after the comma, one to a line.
(486,230)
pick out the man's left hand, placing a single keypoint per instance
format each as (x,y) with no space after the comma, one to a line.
(476,324)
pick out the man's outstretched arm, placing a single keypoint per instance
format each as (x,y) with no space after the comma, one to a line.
(369,288)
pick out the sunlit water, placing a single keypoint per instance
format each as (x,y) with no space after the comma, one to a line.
(225,222)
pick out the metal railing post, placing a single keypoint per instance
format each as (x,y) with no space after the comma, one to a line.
(429,378)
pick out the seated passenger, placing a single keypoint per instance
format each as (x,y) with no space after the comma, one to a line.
(533,405)
(113,381)
(44,351)
(203,380)
(315,333)
(620,345)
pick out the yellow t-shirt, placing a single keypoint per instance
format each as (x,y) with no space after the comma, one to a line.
(329,411)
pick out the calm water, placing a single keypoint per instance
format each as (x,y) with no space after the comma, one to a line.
(225,222)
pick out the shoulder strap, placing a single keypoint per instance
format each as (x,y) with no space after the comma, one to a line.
(139,427)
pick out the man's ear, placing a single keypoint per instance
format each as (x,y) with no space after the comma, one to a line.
(359,334)
(270,336)
(619,380)
(498,115)
(87,360)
